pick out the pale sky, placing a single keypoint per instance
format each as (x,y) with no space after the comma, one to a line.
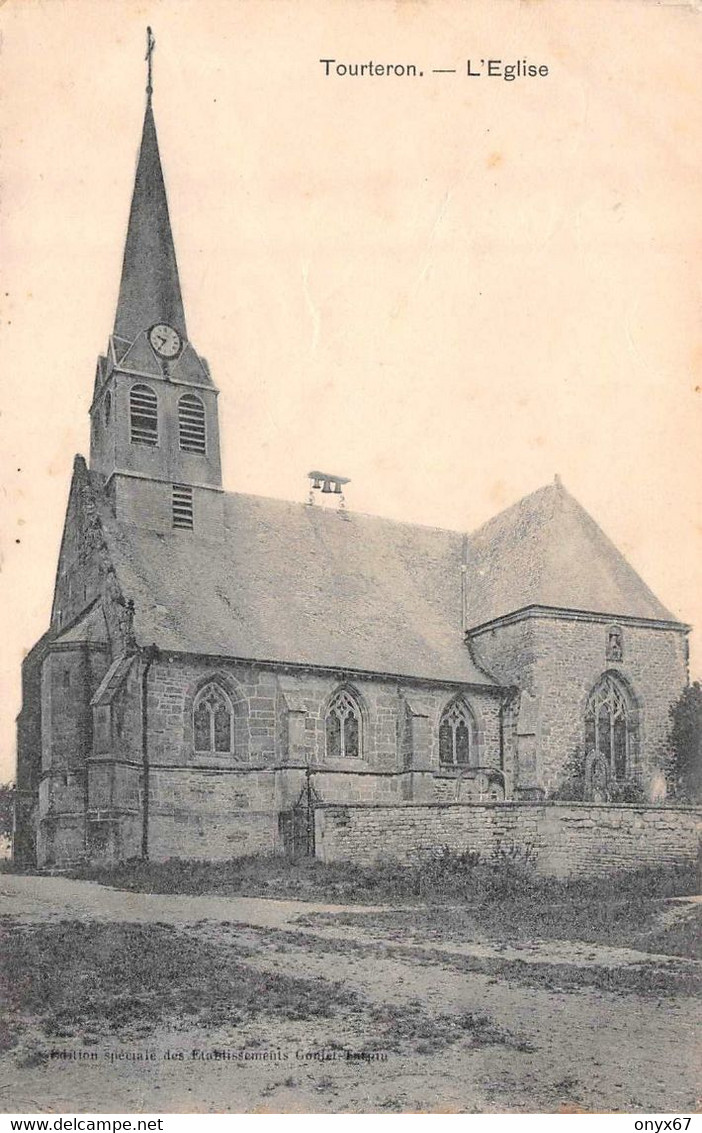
(445,288)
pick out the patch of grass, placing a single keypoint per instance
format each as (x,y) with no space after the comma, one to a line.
(682,936)
(444,876)
(32,1057)
(398,1026)
(392,1105)
(626,921)
(620,921)
(671,977)
(73,976)
(8,865)
(457,896)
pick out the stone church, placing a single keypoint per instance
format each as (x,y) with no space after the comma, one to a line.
(219,664)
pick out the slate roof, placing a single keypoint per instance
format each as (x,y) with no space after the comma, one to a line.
(546,550)
(150,288)
(112,681)
(299,584)
(91,628)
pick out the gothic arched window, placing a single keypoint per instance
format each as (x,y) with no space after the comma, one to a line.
(343,726)
(143,416)
(457,735)
(191,424)
(609,725)
(212,720)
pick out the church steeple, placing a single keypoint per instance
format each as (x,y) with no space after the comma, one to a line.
(150,288)
(154,428)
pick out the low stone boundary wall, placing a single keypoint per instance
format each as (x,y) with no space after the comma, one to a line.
(567,838)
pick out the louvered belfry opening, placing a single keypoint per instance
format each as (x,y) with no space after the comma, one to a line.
(191,424)
(143,416)
(183,507)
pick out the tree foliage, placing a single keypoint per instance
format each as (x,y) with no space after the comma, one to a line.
(686,744)
(7,808)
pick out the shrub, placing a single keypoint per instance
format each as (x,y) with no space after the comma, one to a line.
(7,809)
(571,788)
(628,791)
(685,739)
(444,876)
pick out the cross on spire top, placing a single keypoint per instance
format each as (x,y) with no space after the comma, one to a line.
(150,44)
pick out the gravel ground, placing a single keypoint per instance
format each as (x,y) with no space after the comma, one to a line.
(582,1048)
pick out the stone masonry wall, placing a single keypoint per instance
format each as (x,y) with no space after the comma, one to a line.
(29,758)
(211,815)
(562,659)
(508,652)
(263,700)
(568,838)
(218,805)
(70,674)
(194,814)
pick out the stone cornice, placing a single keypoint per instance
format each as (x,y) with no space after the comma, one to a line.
(555,613)
(131,475)
(403,679)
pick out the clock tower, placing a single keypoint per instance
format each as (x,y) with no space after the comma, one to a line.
(154,426)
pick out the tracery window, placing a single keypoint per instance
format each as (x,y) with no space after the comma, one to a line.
(212,720)
(143,416)
(343,725)
(457,735)
(609,727)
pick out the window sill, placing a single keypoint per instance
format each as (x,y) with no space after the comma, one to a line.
(465,770)
(218,759)
(341,763)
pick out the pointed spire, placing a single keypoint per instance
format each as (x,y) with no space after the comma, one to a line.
(150,289)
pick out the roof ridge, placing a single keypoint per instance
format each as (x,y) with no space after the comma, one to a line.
(546,549)
(350,513)
(556,490)
(597,532)
(372,596)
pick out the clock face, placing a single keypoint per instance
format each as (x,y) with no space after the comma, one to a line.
(165,340)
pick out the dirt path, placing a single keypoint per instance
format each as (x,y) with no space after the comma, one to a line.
(34,898)
(38,898)
(581,1048)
